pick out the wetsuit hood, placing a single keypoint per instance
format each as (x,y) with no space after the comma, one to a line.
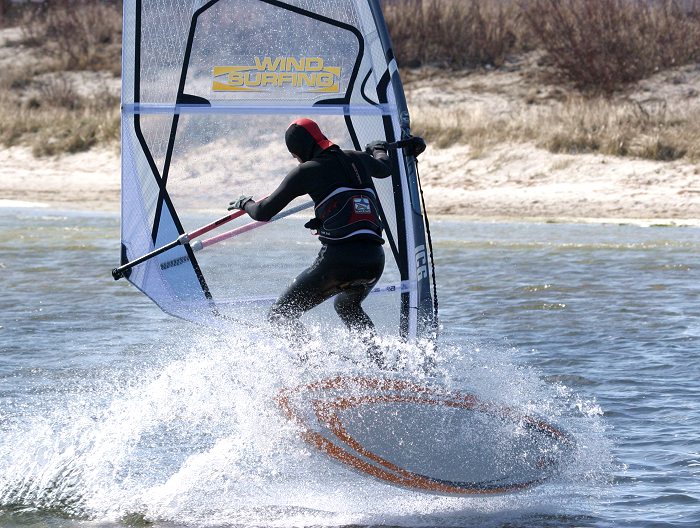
(305,139)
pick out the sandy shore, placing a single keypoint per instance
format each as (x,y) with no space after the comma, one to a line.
(510,182)
(521,181)
(86,181)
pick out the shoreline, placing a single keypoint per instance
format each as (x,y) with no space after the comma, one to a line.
(434,218)
(515,183)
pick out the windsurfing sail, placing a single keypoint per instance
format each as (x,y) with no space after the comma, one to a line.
(208,90)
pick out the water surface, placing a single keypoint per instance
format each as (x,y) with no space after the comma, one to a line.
(113,412)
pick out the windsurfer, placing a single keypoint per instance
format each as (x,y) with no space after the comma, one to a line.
(347,222)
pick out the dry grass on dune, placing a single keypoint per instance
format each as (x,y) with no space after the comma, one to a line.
(646,130)
(75,34)
(649,130)
(592,53)
(602,46)
(598,46)
(454,33)
(53,118)
(44,107)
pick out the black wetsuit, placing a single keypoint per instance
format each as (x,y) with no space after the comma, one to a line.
(351,259)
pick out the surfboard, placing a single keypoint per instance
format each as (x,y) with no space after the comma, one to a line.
(423,437)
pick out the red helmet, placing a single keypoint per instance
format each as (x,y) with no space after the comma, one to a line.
(305,139)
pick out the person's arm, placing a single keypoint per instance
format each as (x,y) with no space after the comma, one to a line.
(266,208)
(379,165)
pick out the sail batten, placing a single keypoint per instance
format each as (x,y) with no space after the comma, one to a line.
(223,108)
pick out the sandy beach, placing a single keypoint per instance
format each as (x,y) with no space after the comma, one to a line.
(510,182)
(523,182)
(84,181)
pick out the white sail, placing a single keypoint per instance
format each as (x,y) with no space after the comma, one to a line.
(208,90)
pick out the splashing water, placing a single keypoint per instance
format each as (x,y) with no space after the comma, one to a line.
(195,437)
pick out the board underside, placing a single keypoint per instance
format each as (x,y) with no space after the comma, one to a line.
(426,439)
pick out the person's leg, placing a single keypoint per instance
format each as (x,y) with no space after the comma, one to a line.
(349,270)
(309,289)
(357,267)
(348,305)
(366,264)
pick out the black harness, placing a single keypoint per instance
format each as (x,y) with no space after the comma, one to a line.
(350,212)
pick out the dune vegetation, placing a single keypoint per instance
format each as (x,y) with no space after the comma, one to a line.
(596,46)
(590,58)
(591,74)
(46,99)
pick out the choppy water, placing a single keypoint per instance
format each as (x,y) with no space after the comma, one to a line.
(114,413)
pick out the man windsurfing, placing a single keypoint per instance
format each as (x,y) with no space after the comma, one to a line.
(347,222)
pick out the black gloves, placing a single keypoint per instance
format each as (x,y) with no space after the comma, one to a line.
(240,203)
(414,145)
(376,145)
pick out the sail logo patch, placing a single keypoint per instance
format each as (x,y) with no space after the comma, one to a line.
(361,205)
(303,74)
(421,263)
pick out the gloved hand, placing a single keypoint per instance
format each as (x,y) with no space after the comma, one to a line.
(240,203)
(376,145)
(416,145)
